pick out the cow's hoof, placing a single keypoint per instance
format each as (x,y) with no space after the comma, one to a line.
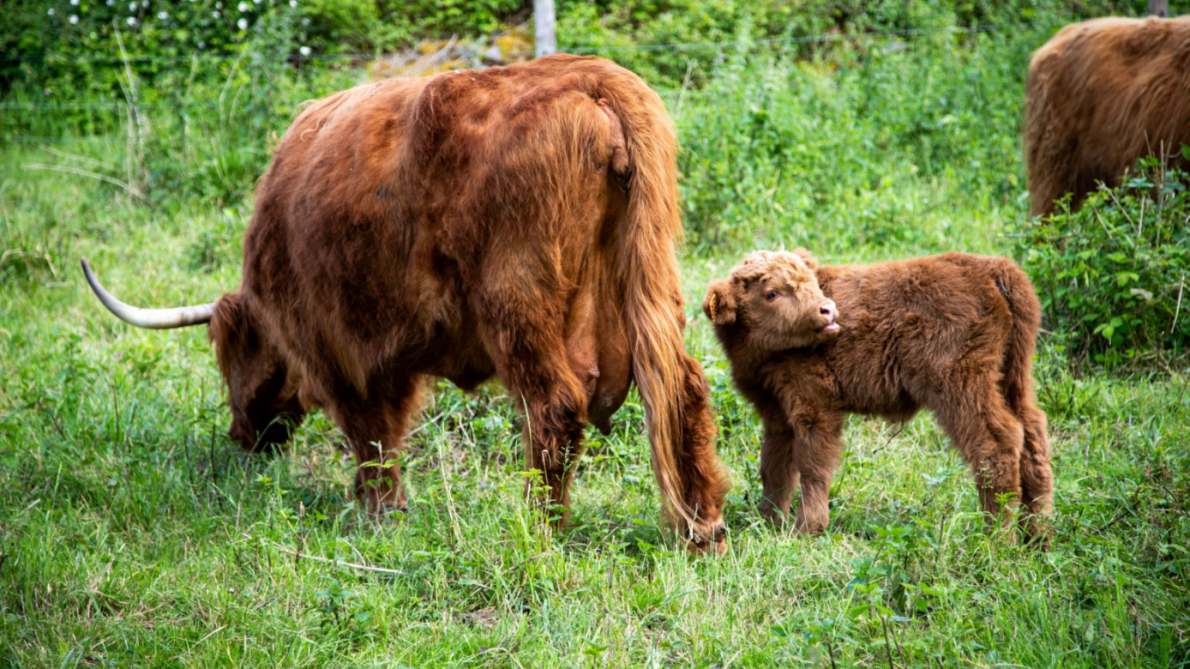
(699,544)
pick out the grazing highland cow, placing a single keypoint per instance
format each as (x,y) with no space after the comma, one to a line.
(1100,95)
(516,222)
(954,333)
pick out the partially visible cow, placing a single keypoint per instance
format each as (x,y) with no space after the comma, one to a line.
(1100,95)
(954,333)
(516,222)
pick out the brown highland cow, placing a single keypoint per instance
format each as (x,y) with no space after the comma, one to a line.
(1100,95)
(954,333)
(516,222)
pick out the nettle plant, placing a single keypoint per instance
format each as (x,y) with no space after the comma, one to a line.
(1112,275)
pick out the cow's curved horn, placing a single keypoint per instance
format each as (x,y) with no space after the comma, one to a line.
(157,319)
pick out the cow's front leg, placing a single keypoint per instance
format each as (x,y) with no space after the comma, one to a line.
(376,430)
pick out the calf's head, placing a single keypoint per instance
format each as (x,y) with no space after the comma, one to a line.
(773,298)
(262,389)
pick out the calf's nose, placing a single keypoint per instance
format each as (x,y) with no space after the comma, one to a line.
(829,310)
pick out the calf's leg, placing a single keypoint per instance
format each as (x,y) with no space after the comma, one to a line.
(1037,478)
(778,471)
(816,448)
(990,438)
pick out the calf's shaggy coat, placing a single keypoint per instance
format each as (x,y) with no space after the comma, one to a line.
(954,333)
(1100,95)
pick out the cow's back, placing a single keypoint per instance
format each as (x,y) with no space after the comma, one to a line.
(1101,94)
(375,224)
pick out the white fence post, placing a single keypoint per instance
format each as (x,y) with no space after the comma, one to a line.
(543,19)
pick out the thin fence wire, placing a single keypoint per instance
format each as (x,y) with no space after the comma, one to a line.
(724,46)
(577,49)
(58,139)
(778,41)
(36,106)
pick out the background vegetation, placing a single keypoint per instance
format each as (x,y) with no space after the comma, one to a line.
(133,534)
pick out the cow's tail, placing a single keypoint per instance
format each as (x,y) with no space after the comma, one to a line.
(671,383)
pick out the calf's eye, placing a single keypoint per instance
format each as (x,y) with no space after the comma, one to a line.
(771,295)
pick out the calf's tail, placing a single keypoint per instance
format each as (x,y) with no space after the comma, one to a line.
(1025,308)
(1037,479)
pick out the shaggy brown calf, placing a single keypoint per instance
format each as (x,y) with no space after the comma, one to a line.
(516,222)
(1100,95)
(954,333)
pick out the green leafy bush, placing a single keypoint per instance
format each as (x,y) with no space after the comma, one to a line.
(71,48)
(831,152)
(1112,275)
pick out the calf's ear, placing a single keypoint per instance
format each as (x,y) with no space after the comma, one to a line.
(806,256)
(719,304)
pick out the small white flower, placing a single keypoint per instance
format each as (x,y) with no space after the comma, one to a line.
(132,6)
(243,24)
(111,2)
(74,3)
(218,5)
(163,15)
(74,20)
(145,3)
(243,7)
(131,20)
(51,12)
(216,14)
(293,3)
(305,51)
(256,1)
(306,21)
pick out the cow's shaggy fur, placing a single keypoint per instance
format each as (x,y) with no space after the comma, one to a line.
(516,222)
(954,333)
(1100,95)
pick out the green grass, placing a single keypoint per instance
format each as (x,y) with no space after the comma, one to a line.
(132,533)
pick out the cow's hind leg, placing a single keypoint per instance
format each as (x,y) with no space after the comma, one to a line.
(990,438)
(554,414)
(532,363)
(553,438)
(376,429)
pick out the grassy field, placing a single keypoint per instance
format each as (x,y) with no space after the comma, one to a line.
(133,533)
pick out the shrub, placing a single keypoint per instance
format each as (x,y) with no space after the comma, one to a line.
(1112,274)
(831,152)
(68,47)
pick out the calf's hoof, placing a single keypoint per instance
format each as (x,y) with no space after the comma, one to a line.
(1038,532)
